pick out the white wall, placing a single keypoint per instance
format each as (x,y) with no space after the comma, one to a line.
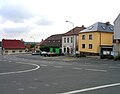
(69,45)
(11,51)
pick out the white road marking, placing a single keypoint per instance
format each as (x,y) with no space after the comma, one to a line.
(46,85)
(43,65)
(58,66)
(31,87)
(104,64)
(36,79)
(96,70)
(24,71)
(91,88)
(77,68)
(55,83)
(113,67)
(21,89)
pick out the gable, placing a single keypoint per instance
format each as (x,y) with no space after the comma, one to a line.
(118,18)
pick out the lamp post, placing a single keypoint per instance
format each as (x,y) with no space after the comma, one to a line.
(74,48)
(34,42)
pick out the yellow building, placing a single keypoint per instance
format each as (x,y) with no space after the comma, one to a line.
(96,38)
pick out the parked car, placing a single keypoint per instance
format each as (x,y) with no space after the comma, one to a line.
(44,53)
(36,53)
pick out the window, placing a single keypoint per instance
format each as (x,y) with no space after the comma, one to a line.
(90,37)
(64,49)
(20,51)
(90,27)
(6,51)
(13,51)
(53,50)
(64,40)
(90,46)
(83,37)
(67,40)
(83,45)
(71,39)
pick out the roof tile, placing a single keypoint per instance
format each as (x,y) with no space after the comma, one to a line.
(12,44)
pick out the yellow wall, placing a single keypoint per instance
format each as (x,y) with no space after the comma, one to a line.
(106,39)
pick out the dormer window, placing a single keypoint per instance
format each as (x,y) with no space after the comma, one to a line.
(111,28)
(90,27)
(103,27)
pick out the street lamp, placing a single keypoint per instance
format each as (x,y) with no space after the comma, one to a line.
(74,45)
(34,42)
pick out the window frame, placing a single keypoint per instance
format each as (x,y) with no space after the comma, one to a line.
(64,40)
(83,46)
(83,37)
(90,37)
(90,46)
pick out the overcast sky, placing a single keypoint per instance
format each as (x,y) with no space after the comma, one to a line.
(21,19)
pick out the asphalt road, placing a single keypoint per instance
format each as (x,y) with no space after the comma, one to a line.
(27,74)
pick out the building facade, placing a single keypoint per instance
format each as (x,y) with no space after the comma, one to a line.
(96,38)
(0,47)
(54,42)
(12,46)
(70,40)
(117,35)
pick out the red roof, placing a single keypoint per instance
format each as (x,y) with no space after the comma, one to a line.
(12,44)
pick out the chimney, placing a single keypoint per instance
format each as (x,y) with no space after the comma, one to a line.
(107,23)
(82,25)
(41,40)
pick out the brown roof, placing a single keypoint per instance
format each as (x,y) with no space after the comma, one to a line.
(53,41)
(74,31)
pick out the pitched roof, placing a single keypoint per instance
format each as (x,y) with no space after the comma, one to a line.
(53,41)
(12,44)
(74,31)
(99,26)
(117,18)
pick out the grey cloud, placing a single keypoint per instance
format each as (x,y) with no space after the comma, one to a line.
(17,30)
(16,13)
(43,21)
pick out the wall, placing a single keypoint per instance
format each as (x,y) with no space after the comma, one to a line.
(117,34)
(69,44)
(98,39)
(107,38)
(0,50)
(57,50)
(117,28)
(95,42)
(11,51)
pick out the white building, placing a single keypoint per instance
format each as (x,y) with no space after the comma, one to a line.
(70,40)
(117,34)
